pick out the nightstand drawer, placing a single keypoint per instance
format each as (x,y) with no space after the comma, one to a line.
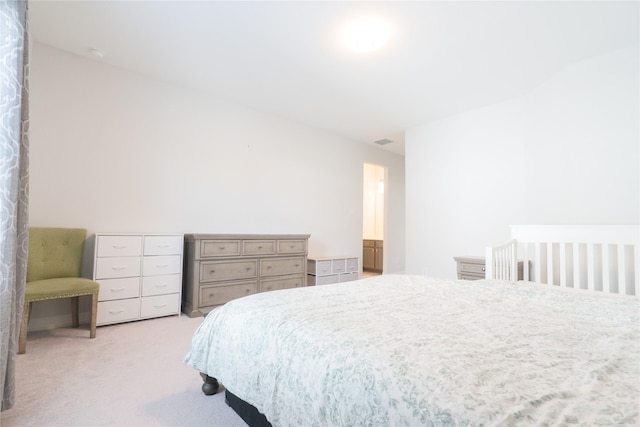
(472,268)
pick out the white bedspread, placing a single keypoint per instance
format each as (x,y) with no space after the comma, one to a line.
(406,350)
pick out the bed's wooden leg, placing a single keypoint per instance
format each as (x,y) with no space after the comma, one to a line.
(210,385)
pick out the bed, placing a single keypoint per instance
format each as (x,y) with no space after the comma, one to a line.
(408,350)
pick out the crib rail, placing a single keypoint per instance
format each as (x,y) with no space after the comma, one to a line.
(501,262)
(596,258)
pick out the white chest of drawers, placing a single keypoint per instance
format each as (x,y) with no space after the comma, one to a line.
(327,270)
(140,276)
(222,267)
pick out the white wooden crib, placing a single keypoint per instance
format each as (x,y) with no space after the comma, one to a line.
(603,258)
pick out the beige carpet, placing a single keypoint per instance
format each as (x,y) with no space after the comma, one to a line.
(131,374)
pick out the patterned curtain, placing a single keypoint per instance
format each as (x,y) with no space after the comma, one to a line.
(14,189)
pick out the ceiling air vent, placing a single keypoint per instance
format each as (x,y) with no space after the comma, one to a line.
(383,141)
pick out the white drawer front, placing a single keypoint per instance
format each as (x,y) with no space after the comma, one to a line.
(163,245)
(158,265)
(347,277)
(158,285)
(109,246)
(352,265)
(160,305)
(111,289)
(322,280)
(118,311)
(339,266)
(319,267)
(112,268)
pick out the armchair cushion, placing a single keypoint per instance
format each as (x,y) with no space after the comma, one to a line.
(64,287)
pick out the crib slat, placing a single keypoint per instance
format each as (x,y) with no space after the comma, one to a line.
(606,269)
(525,262)
(576,266)
(590,267)
(622,269)
(550,264)
(636,269)
(563,265)
(538,267)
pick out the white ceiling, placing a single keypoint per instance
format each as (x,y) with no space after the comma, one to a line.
(285,58)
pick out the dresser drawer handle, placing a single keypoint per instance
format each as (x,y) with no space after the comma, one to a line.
(221,248)
(117,289)
(162,265)
(119,267)
(161,285)
(249,268)
(482,268)
(116,311)
(160,305)
(212,272)
(165,245)
(248,291)
(120,246)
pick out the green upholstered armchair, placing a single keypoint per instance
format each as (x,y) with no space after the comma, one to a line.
(53,271)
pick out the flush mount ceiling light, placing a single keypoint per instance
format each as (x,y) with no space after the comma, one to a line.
(366,34)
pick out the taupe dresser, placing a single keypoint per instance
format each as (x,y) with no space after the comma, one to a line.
(223,267)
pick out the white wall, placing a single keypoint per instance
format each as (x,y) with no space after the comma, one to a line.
(566,153)
(114,151)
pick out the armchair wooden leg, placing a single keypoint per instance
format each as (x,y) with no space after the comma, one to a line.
(94,315)
(24,325)
(75,312)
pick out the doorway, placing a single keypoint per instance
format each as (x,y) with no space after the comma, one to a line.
(373,220)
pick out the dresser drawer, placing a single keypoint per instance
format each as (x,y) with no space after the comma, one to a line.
(352,265)
(160,305)
(274,284)
(228,270)
(216,295)
(158,285)
(163,264)
(259,247)
(116,246)
(319,267)
(280,266)
(163,245)
(111,289)
(220,248)
(111,268)
(292,246)
(118,311)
